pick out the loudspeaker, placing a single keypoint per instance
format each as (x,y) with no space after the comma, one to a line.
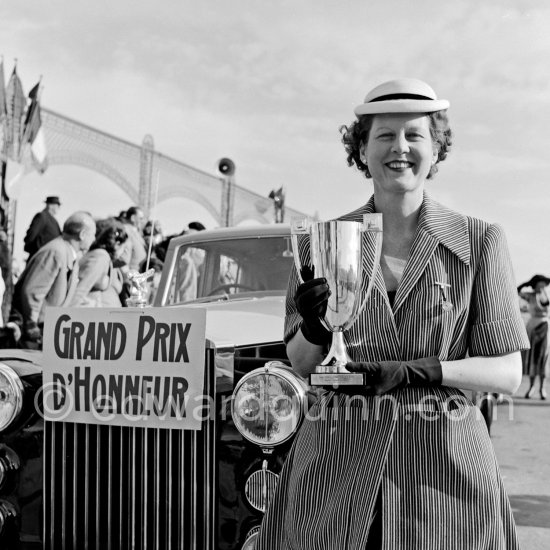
(226,166)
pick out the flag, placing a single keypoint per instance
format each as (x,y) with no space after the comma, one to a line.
(33,94)
(33,134)
(3,116)
(15,107)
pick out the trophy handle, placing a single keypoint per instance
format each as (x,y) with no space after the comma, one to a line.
(372,223)
(298,226)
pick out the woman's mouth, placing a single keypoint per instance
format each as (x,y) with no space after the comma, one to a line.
(399,164)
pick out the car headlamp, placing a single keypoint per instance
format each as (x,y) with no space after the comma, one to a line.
(269,404)
(250,541)
(11,396)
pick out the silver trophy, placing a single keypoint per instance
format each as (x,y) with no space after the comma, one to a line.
(347,255)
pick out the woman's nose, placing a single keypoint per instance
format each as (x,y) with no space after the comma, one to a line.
(400,144)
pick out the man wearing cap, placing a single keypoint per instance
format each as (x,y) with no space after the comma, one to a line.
(44,227)
(50,278)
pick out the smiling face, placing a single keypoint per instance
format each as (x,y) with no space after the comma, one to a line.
(399,152)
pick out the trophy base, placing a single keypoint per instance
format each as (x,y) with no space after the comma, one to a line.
(337,379)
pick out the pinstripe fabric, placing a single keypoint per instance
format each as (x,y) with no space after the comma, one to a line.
(426,450)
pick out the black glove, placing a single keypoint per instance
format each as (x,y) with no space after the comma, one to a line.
(385,376)
(32,332)
(311,300)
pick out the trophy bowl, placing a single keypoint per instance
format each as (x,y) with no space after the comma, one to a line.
(347,255)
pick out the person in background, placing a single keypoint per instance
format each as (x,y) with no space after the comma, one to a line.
(6,260)
(194,226)
(99,283)
(536,359)
(405,460)
(156,254)
(9,331)
(153,237)
(135,251)
(189,267)
(50,278)
(44,227)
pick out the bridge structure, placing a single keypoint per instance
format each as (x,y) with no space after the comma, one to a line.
(134,169)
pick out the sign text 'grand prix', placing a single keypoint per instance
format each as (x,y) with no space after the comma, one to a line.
(126,367)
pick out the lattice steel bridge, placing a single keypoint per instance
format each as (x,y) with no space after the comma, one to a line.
(132,167)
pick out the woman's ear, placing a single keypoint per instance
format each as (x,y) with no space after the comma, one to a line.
(363,153)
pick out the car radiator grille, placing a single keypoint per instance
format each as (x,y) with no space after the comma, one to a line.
(111,487)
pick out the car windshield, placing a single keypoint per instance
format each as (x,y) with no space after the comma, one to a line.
(217,269)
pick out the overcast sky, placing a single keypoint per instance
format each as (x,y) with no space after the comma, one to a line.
(269,83)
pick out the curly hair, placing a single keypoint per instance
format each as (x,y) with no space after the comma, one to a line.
(357,134)
(110,234)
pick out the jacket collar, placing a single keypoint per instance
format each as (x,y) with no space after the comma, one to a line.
(446,226)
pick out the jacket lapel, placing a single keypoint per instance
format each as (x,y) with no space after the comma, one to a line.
(436,225)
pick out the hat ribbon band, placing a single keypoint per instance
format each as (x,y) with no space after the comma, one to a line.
(399,96)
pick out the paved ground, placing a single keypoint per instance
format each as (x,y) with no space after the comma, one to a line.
(521,437)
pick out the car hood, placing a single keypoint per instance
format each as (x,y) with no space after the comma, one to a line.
(24,362)
(243,322)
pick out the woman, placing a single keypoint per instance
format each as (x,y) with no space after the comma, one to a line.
(536,359)
(99,283)
(406,463)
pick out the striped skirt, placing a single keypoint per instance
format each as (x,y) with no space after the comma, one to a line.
(422,456)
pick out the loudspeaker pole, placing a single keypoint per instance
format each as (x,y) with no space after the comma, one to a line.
(227,167)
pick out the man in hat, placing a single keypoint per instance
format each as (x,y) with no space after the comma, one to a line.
(50,278)
(44,227)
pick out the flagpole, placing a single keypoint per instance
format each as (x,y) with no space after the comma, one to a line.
(4,199)
(152,236)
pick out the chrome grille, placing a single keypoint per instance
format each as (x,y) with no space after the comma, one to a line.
(111,487)
(260,487)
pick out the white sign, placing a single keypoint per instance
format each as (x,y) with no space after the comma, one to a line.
(125,366)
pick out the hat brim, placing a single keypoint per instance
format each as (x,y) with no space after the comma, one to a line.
(401,106)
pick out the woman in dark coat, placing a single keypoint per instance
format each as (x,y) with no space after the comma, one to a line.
(405,462)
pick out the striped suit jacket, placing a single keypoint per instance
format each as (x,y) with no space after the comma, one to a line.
(423,452)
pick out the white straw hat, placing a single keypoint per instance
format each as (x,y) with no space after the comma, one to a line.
(403,95)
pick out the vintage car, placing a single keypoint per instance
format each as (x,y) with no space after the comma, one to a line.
(67,485)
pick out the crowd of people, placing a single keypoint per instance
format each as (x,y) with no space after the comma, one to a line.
(85,263)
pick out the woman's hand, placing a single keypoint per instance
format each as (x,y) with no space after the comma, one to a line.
(311,300)
(385,376)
